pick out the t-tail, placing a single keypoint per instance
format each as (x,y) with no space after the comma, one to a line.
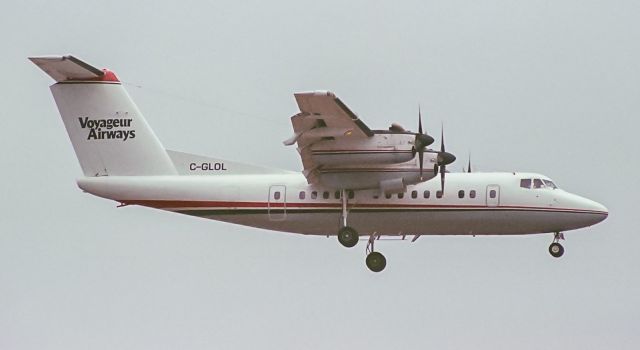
(109,133)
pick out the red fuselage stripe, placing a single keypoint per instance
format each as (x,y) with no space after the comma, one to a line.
(173,204)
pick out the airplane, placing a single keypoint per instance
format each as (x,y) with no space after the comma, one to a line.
(356,184)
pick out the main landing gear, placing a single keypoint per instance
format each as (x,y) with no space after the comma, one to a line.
(556,249)
(348,237)
(376,262)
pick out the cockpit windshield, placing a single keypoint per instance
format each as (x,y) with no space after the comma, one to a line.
(536,183)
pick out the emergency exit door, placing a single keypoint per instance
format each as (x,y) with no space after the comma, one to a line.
(493,195)
(277,205)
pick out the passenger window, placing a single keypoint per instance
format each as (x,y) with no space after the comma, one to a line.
(336,194)
(401,195)
(426,194)
(314,194)
(461,194)
(525,183)
(325,195)
(537,183)
(350,194)
(438,194)
(302,195)
(387,196)
(414,194)
(276,195)
(472,194)
(492,194)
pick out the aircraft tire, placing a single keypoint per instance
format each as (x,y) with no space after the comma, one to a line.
(376,262)
(348,237)
(556,250)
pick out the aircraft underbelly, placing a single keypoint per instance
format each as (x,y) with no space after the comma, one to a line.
(454,222)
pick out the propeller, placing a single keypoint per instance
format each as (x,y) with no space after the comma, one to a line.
(442,160)
(421,142)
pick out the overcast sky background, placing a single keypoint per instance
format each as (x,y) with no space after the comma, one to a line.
(545,86)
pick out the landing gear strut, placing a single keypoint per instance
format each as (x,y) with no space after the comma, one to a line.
(376,262)
(556,249)
(347,236)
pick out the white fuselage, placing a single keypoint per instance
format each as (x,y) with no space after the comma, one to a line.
(286,202)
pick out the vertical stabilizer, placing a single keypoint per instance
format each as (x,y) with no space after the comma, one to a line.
(109,133)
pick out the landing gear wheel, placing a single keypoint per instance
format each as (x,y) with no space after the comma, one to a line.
(556,250)
(348,237)
(376,262)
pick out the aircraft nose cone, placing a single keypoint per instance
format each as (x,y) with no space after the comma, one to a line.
(598,211)
(602,208)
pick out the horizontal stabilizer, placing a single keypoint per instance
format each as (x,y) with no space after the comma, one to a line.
(67,68)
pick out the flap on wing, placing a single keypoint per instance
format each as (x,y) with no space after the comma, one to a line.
(332,111)
(69,68)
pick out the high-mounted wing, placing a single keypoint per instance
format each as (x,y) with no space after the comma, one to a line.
(339,151)
(324,115)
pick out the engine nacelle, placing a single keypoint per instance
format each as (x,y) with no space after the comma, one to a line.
(393,186)
(387,155)
(381,148)
(390,178)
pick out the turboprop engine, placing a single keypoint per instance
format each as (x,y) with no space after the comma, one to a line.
(381,148)
(389,178)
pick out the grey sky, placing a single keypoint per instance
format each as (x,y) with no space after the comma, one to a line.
(550,87)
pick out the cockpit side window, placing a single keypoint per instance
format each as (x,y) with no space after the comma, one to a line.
(525,183)
(550,184)
(537,183)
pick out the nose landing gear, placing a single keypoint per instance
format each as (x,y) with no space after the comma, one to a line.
(556,249)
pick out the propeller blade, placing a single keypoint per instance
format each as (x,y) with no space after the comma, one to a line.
(421,158)
(419,120)
(442,139)
(421,141)
(442,171)
(444,158)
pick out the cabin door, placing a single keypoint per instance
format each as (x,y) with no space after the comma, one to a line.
(277,205)
(493,196)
